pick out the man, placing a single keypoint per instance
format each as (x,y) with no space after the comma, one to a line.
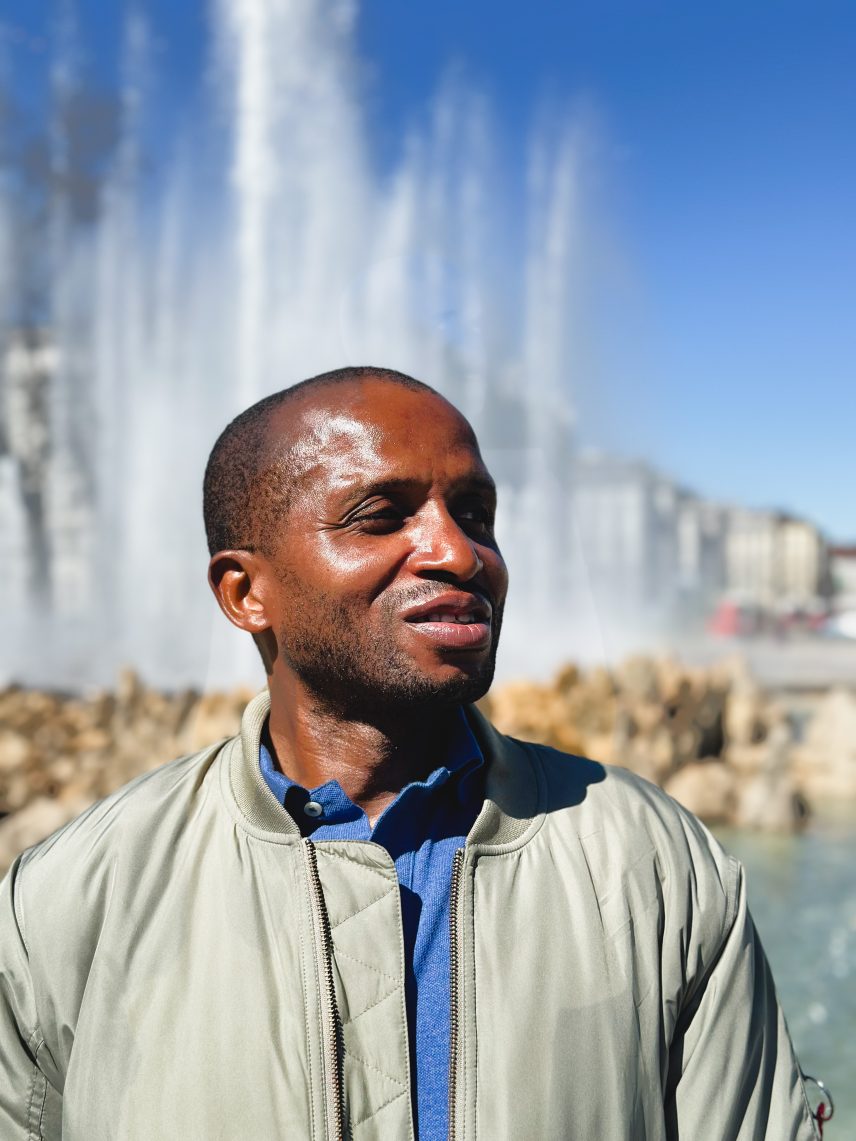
(371,915)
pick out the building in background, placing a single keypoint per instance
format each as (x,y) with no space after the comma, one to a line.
(776,561)
(842,569)
(702,569)
(651,546)
(806,583)
(842,572)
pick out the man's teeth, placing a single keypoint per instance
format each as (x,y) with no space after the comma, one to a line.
(463,619)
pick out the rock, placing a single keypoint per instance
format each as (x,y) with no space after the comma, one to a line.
(62,770)
(33,823)
(825,765)
(129,695)
(90,738)
(637,679)
(567,678)
(216,715)
(662,754)
(591,710)
(768,799)
(709,720)
(15,751)
(535,713)
(673,680)
(647,716)
(600,685)
(16,792)
(707,789)
(770,805)
(744,720)
(600,746)
(746,760)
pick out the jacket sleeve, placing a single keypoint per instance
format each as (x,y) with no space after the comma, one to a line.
(733,1074)
(30,1107)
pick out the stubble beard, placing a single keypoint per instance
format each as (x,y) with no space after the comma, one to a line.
(355,678)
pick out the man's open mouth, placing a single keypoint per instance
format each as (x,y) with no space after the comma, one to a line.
(446,616)
(454,621)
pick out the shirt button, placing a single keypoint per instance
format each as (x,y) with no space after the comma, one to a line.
(313,808)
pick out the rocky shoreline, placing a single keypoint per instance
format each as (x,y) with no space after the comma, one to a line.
(711,737)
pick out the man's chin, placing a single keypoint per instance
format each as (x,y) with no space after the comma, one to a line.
(451,684)
(460,677)
(397,684)
(464,689)
(414,692)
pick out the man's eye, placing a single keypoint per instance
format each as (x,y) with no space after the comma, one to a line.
(480,516)
(379,519)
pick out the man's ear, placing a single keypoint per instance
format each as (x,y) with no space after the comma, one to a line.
(239,579)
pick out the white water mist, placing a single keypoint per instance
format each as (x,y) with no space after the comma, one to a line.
(288,253)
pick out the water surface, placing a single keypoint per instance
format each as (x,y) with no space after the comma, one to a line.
(802,892)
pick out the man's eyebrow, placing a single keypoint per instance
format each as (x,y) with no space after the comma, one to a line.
(482,484)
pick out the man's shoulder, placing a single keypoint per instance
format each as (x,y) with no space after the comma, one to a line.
(579,794)
(604,788)
(590,797)
(128,819)
(633,837)
(110,862)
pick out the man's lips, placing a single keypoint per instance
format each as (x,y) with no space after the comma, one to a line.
(453,620)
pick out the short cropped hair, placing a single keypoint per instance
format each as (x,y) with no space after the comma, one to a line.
(244,492)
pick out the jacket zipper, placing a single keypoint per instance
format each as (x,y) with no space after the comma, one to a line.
(333,1045)
(454,968)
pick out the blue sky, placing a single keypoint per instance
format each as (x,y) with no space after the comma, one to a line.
(721,185)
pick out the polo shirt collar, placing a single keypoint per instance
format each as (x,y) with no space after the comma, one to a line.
(463,758)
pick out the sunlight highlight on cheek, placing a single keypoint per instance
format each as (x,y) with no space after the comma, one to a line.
(346,555)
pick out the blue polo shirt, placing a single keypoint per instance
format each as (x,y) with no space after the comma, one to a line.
(422,829)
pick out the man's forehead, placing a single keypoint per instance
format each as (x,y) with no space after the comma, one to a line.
(366,428)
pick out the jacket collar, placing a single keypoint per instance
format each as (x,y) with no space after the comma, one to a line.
(514,794)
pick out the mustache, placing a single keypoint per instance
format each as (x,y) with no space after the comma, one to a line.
(420,596)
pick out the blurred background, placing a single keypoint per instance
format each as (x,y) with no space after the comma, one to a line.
(619,236)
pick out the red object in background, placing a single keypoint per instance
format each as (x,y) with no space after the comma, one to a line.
(727,621)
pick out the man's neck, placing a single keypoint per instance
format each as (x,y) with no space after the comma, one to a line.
(372,763)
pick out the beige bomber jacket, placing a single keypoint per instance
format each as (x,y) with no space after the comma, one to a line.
(179,964)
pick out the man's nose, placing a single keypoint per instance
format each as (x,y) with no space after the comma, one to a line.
(443,546)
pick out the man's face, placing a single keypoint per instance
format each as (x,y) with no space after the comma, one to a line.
(389,586)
